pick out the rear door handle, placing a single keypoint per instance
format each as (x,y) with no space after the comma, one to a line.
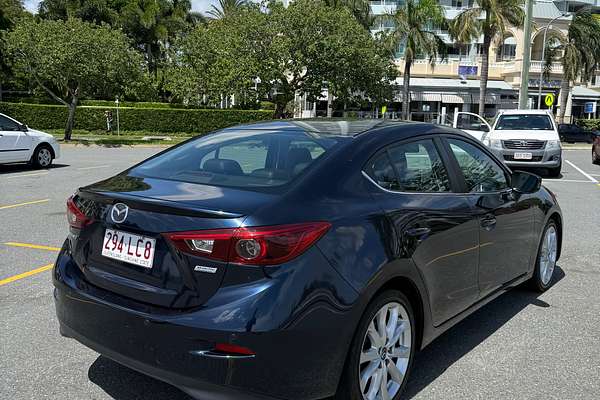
(488,222)
(417,232)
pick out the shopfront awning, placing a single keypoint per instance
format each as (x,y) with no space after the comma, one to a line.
(583,93)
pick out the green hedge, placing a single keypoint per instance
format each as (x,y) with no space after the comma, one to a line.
(165,120)
(593,124)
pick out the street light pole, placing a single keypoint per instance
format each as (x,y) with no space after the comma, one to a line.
(543,58)
(523,95)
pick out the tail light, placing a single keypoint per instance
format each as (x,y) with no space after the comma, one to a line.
(266,245)
(76,218)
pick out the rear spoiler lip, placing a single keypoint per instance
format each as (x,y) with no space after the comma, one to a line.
(155,205)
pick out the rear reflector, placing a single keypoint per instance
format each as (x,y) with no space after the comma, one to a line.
(232,349)
(76,218)
(265,245)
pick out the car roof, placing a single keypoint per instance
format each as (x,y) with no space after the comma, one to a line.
(326,127)
(523,112)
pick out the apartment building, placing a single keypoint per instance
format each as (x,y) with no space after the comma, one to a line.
(454,83)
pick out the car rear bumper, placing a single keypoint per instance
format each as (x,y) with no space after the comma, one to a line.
(301,360)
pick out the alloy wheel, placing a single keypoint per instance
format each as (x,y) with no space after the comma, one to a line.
(385,353)
(44,157)
(548,255)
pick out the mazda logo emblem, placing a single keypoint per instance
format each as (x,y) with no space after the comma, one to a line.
(523,143)
(119,212)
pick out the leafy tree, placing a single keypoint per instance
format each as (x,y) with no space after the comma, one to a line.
(315,43)
(96,11)
(579,53)
(221,58)
(361,9)
(226,8)
(10,12)
(413,28)
(70,59)
(489,18)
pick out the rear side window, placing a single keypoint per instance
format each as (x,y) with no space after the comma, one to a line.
(481,172)
(410,167)
(243,158)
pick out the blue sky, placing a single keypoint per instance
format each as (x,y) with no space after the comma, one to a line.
(197,5)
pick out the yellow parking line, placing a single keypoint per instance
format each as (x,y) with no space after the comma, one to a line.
(24,204)
(32,246)
(26,274)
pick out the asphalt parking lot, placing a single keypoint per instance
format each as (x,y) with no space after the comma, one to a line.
(520,346)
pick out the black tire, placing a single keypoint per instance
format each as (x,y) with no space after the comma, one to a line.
(349,388)
(554,172)
(536,282)
(42,156)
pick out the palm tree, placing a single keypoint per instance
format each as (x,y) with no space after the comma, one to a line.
(579,53)
(414,24)
(489,18)
(226,7)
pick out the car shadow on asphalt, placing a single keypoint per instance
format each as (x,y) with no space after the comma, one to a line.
(469,333)
(122,383)
(12,168)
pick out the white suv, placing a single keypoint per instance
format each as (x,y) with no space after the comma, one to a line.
(522,138)
(18,143)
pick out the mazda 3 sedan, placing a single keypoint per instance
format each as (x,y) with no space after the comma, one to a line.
(298,260)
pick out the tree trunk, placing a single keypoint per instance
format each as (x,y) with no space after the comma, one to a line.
(565,89)
(70,119)
(485,66)
(406,90)
(0,91)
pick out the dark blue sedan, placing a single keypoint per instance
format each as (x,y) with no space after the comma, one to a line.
(299,259)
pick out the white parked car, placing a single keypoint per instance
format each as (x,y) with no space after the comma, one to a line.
(522,138)
(18,143)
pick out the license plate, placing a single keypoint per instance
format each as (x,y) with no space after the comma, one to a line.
(523,156)
(130,248)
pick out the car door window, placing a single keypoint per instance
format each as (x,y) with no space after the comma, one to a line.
(419,167)
(481,172)
(410,167)
(7,124)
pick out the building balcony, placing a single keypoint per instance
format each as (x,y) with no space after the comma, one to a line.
(471,67)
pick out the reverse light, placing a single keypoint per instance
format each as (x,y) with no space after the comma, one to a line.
(75,217)
(265,245)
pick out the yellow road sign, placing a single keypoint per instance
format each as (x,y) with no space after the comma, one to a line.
(549,99)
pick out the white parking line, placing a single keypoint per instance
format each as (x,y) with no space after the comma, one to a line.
(565,180)
(95,167)
(592,179)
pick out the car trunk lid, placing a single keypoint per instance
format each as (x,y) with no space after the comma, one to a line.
(154,207)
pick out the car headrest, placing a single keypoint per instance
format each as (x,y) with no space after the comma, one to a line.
(297,156)
(223,166)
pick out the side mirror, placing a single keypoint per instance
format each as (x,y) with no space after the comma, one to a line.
(24,128)
(525,182)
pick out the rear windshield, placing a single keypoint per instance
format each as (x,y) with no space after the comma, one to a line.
(524,122)
(240,158)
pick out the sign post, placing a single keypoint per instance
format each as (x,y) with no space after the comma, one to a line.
(590,108)
(117,103)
